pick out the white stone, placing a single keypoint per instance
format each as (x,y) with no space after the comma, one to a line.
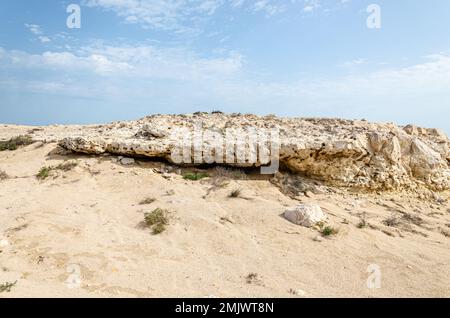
(127,161)
(4,243)
(305,214)
(318,238)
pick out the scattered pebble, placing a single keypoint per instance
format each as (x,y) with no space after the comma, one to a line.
(318,238)
(309,194)
(4,243)
(127,161)
(298,292)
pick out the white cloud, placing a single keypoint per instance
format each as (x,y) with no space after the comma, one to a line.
(157,74)
(179,15)
(34,28)
(268,7)
(311,5)
(169,15)
(130,61)
(353,63)
(44,39)
(236,3)
(37,30)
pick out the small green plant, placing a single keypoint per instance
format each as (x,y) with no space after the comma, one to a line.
(44,173)
(328,231)
(235,193)
(6,287)
(157,220)
(147,201)
(158,228)
(15,142)
(195,176)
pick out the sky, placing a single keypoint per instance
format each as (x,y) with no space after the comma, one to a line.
(298,58)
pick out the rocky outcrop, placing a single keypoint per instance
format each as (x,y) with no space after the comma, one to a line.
(339,152)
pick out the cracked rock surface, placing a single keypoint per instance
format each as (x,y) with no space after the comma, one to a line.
(349,153)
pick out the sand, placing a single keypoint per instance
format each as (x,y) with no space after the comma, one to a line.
(88,220)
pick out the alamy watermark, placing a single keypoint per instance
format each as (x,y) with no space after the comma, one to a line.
(374,279)
(74,279)
(374,19)
(74,19)
(245,147)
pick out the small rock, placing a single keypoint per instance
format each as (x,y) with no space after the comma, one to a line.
(226,219)
(305,214)
(4,243)
(127,161)
(298,292)
(167,176)
(309,194)
(318,238)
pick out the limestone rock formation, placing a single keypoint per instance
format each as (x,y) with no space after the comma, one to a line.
(350,153)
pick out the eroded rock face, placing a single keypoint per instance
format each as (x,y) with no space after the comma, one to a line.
(339,152)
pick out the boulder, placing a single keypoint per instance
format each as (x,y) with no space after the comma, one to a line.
(305,214)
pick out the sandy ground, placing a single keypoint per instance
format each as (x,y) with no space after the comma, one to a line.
(79,233)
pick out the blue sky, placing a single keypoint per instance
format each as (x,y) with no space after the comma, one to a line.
(315,58)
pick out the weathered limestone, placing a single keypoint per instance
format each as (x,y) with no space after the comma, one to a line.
(305,214)
(339,152)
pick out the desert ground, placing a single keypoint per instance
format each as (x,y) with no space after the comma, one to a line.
(77,230)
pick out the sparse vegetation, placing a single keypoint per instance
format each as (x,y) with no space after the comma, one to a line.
(195,176)
(252,278)
(15,142)
(147,201)
(417,220)
(66,166)
(329,231)
(392,221)
(6,287)
(157,220)
(44,173)
(235,193)
(158,228)
(219,183)
(362,224)
(228,173)
(3,175)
